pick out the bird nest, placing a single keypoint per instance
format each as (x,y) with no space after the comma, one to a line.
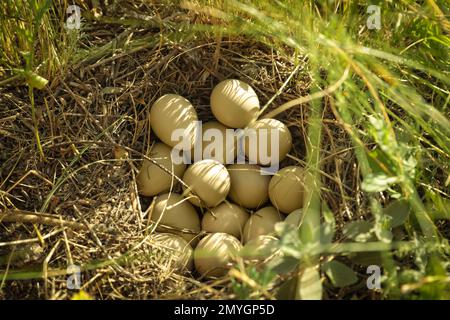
(94,129)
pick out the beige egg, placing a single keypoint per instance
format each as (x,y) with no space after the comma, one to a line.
(214,253)
(260,248)
(180,254)
(286,189)
(171,112)
(217,143)
(249,188)
(267,141)
(208,181)
(151,179)
(234,103)
(174,211)
(262,222)
(295,217)
(227,218)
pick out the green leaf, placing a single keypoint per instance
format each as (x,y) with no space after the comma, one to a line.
(309,229)
(35,81)
(328,226)
(383,235)
(399,211)
(366,258)
(283,264)
(360,231)
(339,274)
(287,290)
(382,228)
(435,290)
(377,182)
(310,286)
(290,243)
(437,207)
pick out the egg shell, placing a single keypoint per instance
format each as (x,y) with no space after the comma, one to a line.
(214,252)
(262,222)
(234,103)
(226,150)
(171,112)
(260,248)
(249,188)
(286,189)
(260,137)
(208,181)
(151,179)
(180,252)
(295,217)
(176,212)
(226,218)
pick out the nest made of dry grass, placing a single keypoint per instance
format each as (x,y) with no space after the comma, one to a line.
(84,118)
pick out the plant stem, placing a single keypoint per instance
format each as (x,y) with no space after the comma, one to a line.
(35,122)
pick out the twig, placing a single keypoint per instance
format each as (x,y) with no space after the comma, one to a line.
(280,90)
(308,98)
(10,215)
(31,240)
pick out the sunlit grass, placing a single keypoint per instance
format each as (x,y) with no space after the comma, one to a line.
(396,97)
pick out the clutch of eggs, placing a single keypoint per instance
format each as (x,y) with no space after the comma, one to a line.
(286,189)
(180,252)
(227,218)
(152,178)
(262,222)
(217,144)
(208,183)
(234,103)
(267,142)
(173,112)
(213,254)
(249,188)
(174,214)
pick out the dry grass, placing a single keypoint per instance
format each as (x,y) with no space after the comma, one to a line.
(84,117)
